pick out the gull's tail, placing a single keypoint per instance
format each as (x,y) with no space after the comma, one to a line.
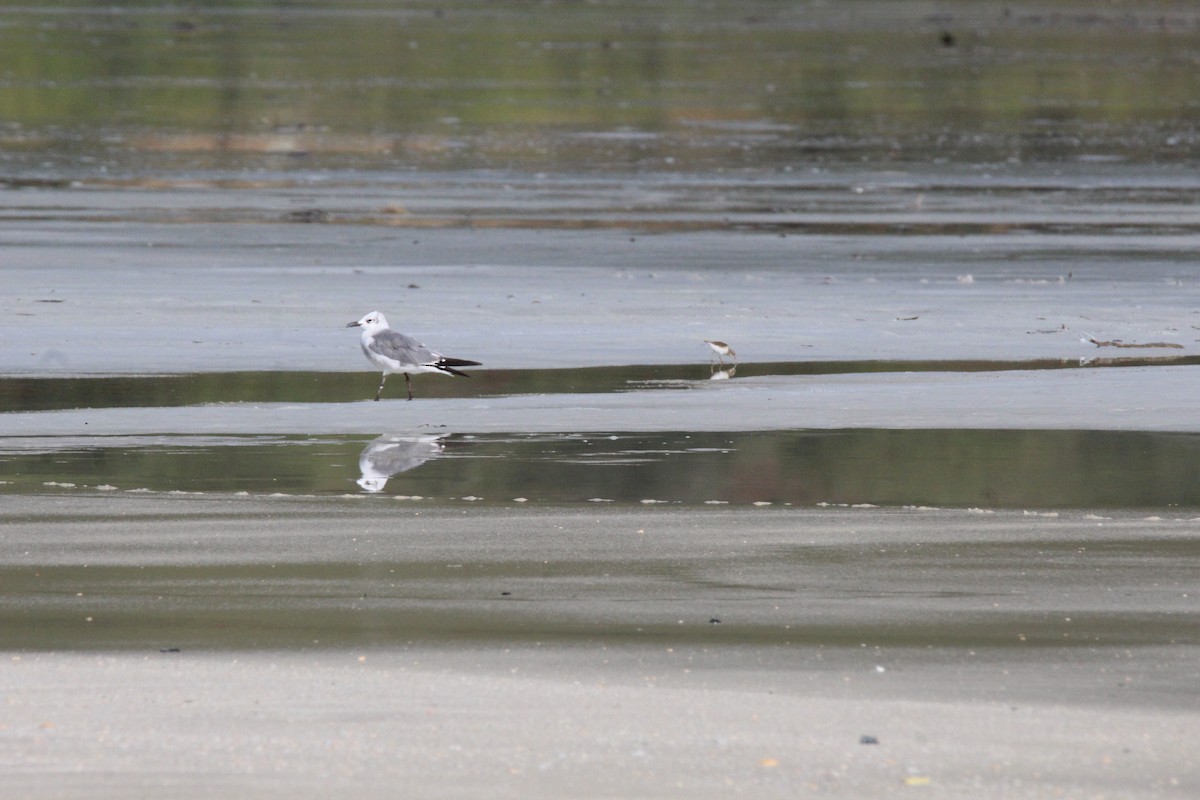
(448,365)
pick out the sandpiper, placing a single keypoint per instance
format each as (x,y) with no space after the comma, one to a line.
(721,349)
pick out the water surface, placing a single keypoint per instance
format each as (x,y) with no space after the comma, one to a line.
(18,393)
(147,88)
(993,469)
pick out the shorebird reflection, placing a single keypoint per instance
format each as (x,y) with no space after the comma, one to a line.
(722,374)
(389,455)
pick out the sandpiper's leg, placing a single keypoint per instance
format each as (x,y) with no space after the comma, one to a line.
(408,383)
(381,380)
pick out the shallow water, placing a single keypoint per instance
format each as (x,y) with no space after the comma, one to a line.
(611,85)
(147,391)
(1011,469)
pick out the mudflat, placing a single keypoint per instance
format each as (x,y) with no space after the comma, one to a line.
(285,646)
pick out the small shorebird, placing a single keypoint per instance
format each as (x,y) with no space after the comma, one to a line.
(721,349)
(395,352)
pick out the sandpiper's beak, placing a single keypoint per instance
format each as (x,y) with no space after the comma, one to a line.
(353,324)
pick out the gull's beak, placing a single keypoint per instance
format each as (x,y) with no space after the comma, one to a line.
(353,324)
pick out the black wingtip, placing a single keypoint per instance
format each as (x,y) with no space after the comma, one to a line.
(448,365)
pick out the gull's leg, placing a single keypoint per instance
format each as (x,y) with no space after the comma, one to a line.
(408,383)
(381,380)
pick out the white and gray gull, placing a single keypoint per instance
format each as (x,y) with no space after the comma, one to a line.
(394,352)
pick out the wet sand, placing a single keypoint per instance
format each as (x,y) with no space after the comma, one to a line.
(603,652)
(1101,399)
(145,298)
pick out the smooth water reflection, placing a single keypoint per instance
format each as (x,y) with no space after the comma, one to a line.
(955,468)
(391,455)
(660,85)
(50,393)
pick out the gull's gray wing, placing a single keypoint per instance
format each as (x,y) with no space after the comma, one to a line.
(403,348)
(390,455)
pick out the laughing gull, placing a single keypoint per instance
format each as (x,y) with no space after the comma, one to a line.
(395,352)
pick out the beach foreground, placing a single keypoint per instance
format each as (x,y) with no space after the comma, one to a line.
(610,652)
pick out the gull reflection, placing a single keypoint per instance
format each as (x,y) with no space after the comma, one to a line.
(389,455)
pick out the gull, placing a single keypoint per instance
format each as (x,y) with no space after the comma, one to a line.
(395,352)
(721,349)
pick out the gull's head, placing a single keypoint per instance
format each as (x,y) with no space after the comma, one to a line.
(371,322)
(372,484)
